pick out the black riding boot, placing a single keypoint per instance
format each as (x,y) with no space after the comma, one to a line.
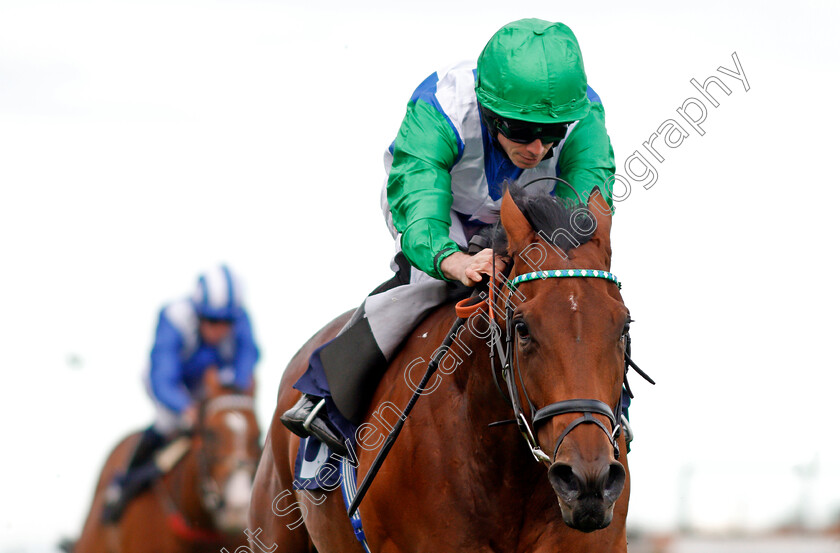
(139,473)
(625,418)
(307,418)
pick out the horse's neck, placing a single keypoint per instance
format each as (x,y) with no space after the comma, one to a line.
(485,404)
(184,488)
(499,453)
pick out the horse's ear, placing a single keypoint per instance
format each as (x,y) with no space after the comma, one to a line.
(602,213)
(212,385)
(517,227)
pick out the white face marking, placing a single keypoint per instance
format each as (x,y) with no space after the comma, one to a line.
(424,334)
(234,516)
(238,424)
(573,302)
(238,490)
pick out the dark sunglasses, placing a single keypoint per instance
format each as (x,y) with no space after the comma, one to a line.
(523,132)
(216,320)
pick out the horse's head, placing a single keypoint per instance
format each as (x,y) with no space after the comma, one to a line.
(227,443)
(567,345)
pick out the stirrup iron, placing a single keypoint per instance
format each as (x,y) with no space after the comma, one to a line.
(313,414)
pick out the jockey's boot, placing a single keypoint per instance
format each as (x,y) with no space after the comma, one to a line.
(307,418)
(140,471)
(627,431)
(625,417)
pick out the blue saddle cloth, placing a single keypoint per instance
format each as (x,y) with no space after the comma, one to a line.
(317,468)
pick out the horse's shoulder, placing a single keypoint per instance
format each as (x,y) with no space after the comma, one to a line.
(117,458)
(126,445)
(411,359)
(432,329)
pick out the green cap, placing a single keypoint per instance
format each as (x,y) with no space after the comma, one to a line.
(532,70)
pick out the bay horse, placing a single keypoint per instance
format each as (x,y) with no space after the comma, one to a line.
(451,481)
(200,504)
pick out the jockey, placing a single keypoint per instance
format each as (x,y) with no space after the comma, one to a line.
(210,329)
(523,111)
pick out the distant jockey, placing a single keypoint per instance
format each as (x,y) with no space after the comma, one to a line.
(209,329)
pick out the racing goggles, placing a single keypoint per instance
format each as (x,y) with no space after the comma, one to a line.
(216,320)
(524,132)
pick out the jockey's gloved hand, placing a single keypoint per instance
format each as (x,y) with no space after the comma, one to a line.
(189,418)
(227,376)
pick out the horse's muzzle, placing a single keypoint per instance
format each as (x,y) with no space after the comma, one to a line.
(231,515)
(587,497)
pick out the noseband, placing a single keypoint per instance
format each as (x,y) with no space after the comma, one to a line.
(588,407)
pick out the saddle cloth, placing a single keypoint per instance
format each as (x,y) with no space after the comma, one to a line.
(317,468)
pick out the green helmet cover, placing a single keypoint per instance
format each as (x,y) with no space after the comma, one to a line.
(532,70)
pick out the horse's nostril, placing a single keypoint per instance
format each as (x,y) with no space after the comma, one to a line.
(570,487)
(615,482)
(564,481)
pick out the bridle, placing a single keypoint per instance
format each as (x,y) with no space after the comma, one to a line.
(479,301)
(211,496)
(511,369)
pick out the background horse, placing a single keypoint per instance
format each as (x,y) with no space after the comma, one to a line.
(451,482)
(201,503)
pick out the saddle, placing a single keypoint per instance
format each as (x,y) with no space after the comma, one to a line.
(141,472)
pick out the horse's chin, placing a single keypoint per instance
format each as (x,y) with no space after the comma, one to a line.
(587,515)
(231,521)
(232,517)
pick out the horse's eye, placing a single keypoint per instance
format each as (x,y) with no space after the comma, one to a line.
(625,332)
(521,329)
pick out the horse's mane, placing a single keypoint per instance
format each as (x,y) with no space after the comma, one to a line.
(567,223)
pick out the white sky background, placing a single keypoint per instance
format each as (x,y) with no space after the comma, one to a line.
(140,143)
